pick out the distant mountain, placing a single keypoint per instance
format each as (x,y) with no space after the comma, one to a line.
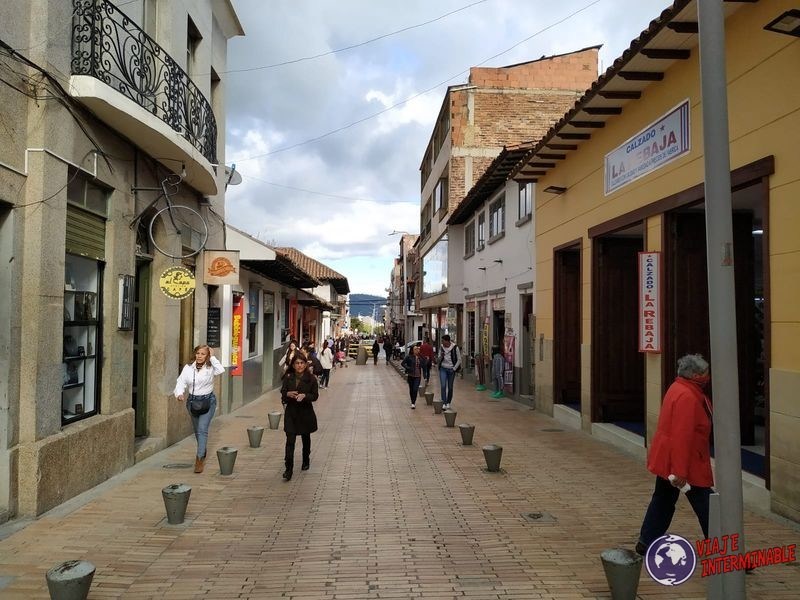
(361,304)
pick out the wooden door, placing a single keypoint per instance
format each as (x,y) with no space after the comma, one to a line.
(567,328)
(687,303)
(617,364)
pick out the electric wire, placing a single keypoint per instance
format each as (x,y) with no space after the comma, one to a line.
(418,94)
(358,45)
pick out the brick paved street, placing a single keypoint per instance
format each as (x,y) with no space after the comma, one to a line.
(393,507)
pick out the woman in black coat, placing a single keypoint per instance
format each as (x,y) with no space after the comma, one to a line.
(298,393)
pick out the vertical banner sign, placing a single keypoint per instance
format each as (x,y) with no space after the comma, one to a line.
(508,367)
(649,302)
(236,336)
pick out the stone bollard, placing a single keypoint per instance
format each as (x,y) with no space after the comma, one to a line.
(450,417)
(275,419)
(623,568)
(70,580)
(467,431)
(429,398)
(254,434)
(176,499)
(227,458)
(437,407)
(493,453)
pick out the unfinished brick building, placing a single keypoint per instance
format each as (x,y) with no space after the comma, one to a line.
(498,106)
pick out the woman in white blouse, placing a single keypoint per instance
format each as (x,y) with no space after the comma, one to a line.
(198,378)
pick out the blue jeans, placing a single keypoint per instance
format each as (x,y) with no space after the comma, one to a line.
(659,513)
(446,379)
(200,425)
(426,370)
(498,383)
(413,388)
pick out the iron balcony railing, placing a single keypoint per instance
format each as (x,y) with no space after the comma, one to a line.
(110,47)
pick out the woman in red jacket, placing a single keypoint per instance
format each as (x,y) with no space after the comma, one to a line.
(680,452)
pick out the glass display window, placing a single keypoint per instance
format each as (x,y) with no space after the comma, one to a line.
(82,324)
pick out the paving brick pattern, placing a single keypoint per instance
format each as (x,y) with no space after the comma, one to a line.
(393,507)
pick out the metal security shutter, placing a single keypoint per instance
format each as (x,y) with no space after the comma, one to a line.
(86,233)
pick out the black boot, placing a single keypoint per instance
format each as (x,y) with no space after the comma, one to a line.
(287,474)
(306,464)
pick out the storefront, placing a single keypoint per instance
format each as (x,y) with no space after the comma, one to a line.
(630,182)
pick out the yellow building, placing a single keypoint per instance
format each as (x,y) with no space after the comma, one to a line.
(622,173)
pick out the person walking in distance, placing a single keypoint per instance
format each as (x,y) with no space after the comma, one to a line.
(201,403)
(449,364)
(326,361)
(426,352)
(298,393)
(413,368)
(376,348)
(498,365)
(680,454)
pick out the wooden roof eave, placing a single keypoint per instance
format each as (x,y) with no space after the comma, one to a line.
(646,60)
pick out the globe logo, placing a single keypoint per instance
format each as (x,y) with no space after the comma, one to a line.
(670,560)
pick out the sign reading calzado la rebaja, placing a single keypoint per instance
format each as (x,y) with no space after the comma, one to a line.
(653,147)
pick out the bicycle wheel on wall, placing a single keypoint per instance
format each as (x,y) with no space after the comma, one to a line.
(178,231)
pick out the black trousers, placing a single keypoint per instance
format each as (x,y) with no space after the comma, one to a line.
(290,440)
(659,513)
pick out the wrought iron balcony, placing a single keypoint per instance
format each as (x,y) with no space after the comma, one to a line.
(110,47)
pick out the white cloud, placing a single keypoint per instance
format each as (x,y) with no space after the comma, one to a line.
(377,160)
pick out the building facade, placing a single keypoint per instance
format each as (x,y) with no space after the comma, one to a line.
(491,267)
(628,191)
(91,146)
(475,121)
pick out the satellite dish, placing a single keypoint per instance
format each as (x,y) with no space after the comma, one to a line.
(232,176)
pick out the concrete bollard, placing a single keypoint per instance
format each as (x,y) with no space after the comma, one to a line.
(70,580)
(254,434)
(467,431)
(450,417)
(437,407)
(493,453)
(275,419)
(429,398)
(623,568)
(227,458)
(176,499)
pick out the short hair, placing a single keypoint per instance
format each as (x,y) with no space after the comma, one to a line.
(445,338)
(691,365)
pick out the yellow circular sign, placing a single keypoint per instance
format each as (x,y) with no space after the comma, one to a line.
(177,283)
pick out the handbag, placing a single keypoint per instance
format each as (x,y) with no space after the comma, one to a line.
(199,405)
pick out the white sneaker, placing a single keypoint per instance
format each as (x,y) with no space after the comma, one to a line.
(413,406)
(445,406)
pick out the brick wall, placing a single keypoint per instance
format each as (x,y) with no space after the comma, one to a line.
(573,71)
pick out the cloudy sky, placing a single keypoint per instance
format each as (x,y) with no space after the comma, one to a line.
(329,164)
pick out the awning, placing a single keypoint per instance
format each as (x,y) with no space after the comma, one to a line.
(281,270)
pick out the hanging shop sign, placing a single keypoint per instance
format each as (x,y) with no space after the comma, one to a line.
(237,336)
(177,283)
(221,267)
(650,302)
(659,143)
(508,367)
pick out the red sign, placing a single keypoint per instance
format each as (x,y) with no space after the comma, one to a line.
(236,336)
(649,302)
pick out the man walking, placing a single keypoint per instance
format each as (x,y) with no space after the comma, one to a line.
(449,365)
(426,352)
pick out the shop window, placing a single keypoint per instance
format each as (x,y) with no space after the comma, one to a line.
(81,334)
